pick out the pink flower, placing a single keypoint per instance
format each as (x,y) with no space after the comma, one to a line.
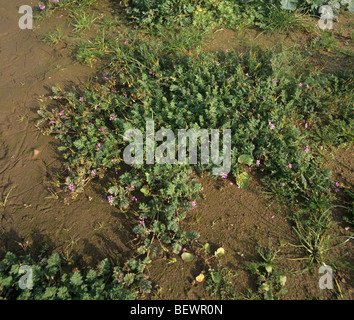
(81,99)
(307,149)
(134,198)
(110,199)
(194,204)
(93,173)
(112,117)
(224,175)
(271,126)
(306,125)
(42,6)
(307,86)
(290,165)
(61,113)
(300,84)
(98,147)
(258,162)
(71,187)
(337,184)
(247,75)
(283,184)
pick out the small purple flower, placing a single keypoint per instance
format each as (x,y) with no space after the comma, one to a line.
(194,204)
(112,117)
(300,84)
(71,187)
(271,126)
(93,173)
(229,79)
(247,75)
(98,146)
(306,125)
(42,6)
(81,99)
(337,184)
(51,122)
(126,41)
(282,184)
(150,72)
(61,113)
(110,199)
(307,149)
(142,222)
(258,162)
(134,198)
(224,175)
(290,165)
(184,250)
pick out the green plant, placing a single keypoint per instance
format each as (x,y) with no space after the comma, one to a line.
(53,38)
(3,203)
(271,283)
(272,19)
(82,20)
(220,283)
(312,230)
(50,282)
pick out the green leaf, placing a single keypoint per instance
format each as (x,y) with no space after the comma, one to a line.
(145,286)
(176,248)
(192,235)
(187,256)
(282,280)
(113,190)
(206,247)
(215,276)
(245,159)
(129,278)
(79,144)
(76,279)
(144,191)
(269,268)
(242,180)
(219,252)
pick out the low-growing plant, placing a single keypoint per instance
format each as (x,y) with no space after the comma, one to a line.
(271,283)
(50,282)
